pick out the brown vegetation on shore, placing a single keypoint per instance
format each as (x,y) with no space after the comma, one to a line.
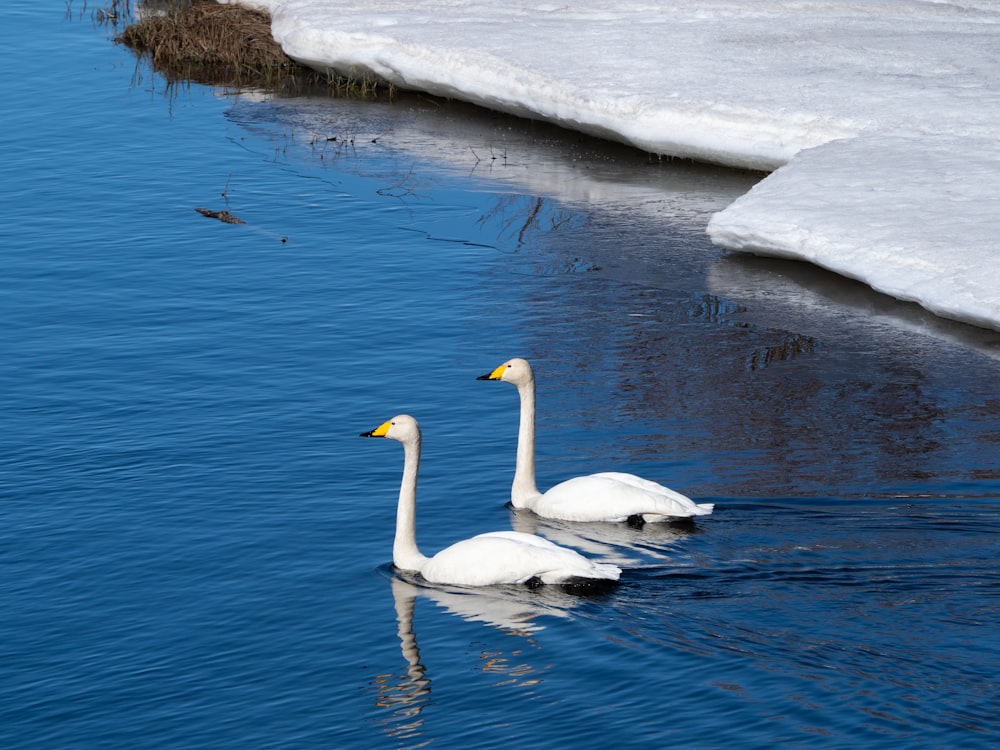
(204,41)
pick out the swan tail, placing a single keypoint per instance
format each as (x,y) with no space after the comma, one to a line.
(593,572)
(680,506)
(607,571)
(703,509)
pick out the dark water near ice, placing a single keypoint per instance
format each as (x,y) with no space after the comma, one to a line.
(194,543)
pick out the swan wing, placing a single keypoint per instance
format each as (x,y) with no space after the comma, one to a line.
(511,557)
(614,497)
(675,500)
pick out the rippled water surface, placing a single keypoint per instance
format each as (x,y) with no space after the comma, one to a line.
(195,545)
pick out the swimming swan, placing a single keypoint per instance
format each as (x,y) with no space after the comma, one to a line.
(608,496)
(483,560)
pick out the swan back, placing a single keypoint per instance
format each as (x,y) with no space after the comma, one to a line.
(512,557)
(614,497)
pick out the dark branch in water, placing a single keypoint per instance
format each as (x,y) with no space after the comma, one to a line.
(223,216)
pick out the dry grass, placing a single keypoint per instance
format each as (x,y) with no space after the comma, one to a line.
(201,40)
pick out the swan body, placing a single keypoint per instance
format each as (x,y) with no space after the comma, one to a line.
(608,496)
(484,560)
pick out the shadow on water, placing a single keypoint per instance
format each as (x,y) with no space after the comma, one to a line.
(790,291)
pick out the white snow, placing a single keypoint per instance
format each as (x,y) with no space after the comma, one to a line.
(881,118)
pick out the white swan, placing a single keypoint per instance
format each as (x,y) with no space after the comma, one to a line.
(483,560)
(608,496)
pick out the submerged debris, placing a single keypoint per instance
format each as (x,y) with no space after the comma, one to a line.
(793,345)
(223,216)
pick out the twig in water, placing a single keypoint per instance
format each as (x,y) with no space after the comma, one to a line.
(223,216)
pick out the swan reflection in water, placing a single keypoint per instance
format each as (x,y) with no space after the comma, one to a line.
(514,610)
(405,698)
(618,544)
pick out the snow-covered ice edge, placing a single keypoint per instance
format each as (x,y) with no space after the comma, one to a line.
(904,229)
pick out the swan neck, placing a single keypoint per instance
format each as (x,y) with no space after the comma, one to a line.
(524,488)
(405,553)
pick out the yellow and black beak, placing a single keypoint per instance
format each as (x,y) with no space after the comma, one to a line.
(497,374)
(379,431)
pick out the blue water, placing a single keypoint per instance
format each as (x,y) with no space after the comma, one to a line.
(195,545)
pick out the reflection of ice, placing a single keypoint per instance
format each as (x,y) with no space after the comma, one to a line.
(616,543)
(389,144)
(790,290)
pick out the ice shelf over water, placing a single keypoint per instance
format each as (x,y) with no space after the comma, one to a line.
(879,120)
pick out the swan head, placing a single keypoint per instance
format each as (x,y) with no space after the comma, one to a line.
(402,428)
(516,371)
